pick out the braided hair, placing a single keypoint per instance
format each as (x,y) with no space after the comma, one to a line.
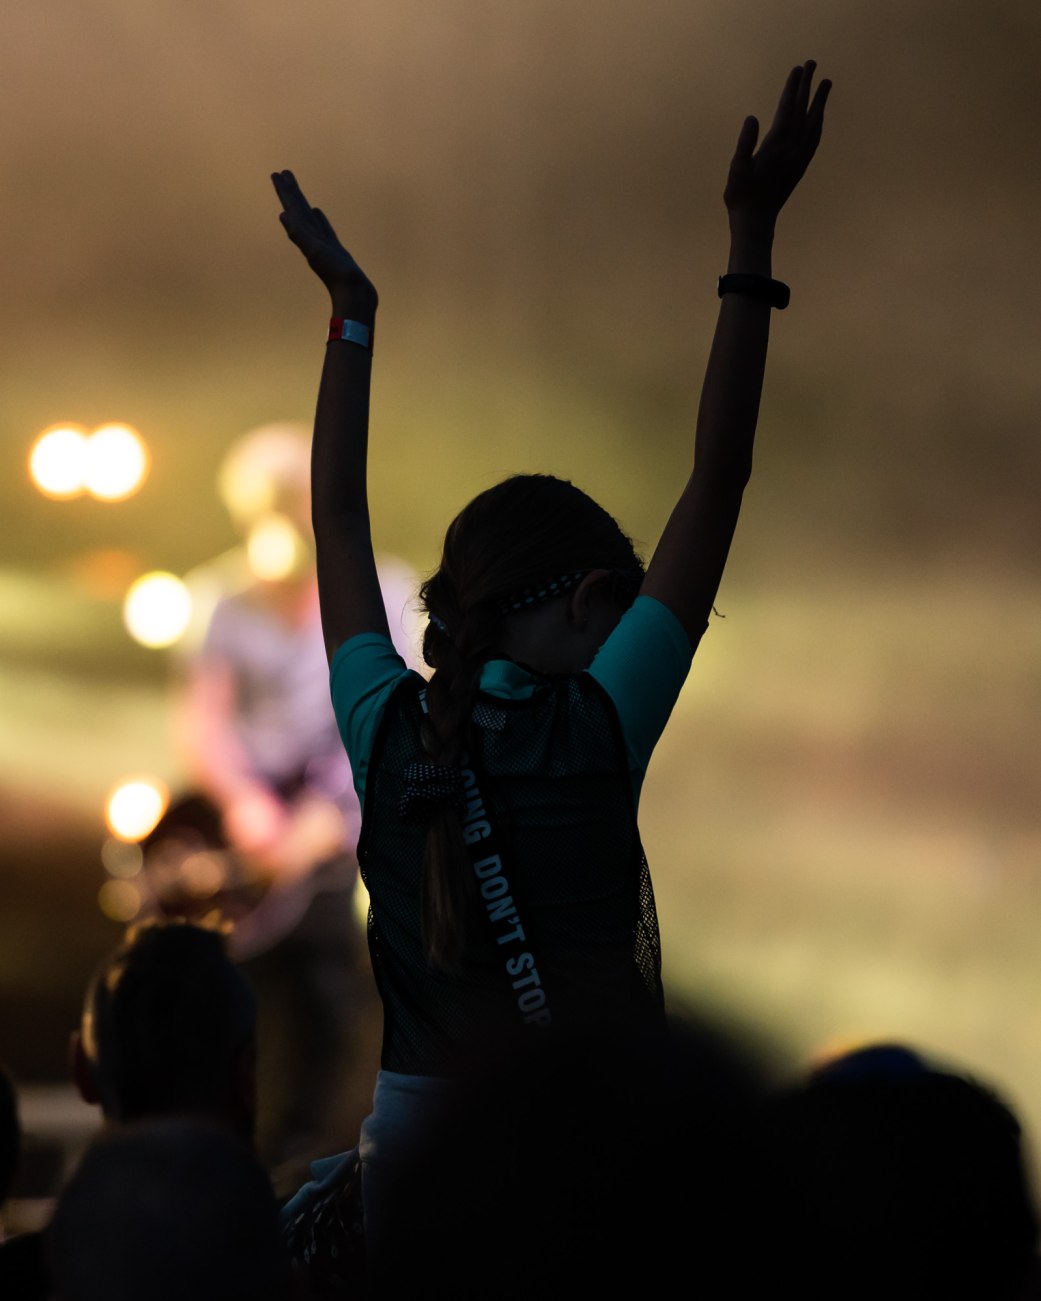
(521,542)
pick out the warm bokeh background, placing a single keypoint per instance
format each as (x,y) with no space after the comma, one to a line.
(843,819)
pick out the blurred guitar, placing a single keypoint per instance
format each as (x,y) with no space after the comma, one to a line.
(190,870)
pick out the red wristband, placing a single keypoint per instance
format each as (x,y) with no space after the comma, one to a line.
(350,332)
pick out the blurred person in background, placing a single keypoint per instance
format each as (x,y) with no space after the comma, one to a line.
(272,794)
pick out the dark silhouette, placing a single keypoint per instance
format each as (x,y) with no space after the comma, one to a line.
(10,1134)
(508,888)
(592,1164)
(169,1028)
(884,1175)
(23,1272)
(169,1210)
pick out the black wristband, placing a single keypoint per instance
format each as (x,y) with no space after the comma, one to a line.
(774,292)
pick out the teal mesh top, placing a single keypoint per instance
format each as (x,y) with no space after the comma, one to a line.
(572,938)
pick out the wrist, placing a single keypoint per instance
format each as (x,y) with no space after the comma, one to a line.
(349,305)
(345,329)
(751,249)
(751,225)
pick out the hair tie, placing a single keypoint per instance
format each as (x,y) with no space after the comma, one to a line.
(540,592)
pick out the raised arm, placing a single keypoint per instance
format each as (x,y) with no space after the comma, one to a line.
(687,565)
(348,585)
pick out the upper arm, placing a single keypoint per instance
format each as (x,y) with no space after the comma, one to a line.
(687,566)
(349,592)
(364,673)
(642,666)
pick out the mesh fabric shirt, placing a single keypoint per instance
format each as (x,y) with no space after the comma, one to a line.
(560,776)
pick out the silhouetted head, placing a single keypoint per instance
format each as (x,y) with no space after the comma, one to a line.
(516,547)
(169,1027)
(171,1210)
(887,1176)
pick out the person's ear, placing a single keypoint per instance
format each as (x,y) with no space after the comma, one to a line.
(81,1069)
(579,605)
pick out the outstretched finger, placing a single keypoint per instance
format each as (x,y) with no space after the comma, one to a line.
(815,115)
(820,98)
(802,92)
(789,96)
(289,192)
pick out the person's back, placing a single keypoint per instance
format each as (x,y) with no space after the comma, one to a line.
(168,1210)
(572,946)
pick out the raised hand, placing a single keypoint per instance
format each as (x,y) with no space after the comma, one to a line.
(761,180)
(349,287)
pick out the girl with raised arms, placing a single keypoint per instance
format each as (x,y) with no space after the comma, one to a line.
(508,888)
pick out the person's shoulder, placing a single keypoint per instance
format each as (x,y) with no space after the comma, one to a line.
(647,633)
(364,673)
(656,619)
(368,652)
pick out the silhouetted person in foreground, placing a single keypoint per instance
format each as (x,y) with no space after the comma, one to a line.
(592,1164)
(167,1210)
(508,889)
(884,1176)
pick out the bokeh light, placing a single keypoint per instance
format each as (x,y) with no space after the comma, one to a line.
(274,548)
(157,609)
(58,461)
(104,572)
(263,468)
(203,874)
(121,858)
(116,462)
(120,901)
(135,806)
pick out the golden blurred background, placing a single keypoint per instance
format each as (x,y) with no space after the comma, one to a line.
(843,817)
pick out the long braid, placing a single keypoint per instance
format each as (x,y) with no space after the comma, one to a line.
(457,659)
